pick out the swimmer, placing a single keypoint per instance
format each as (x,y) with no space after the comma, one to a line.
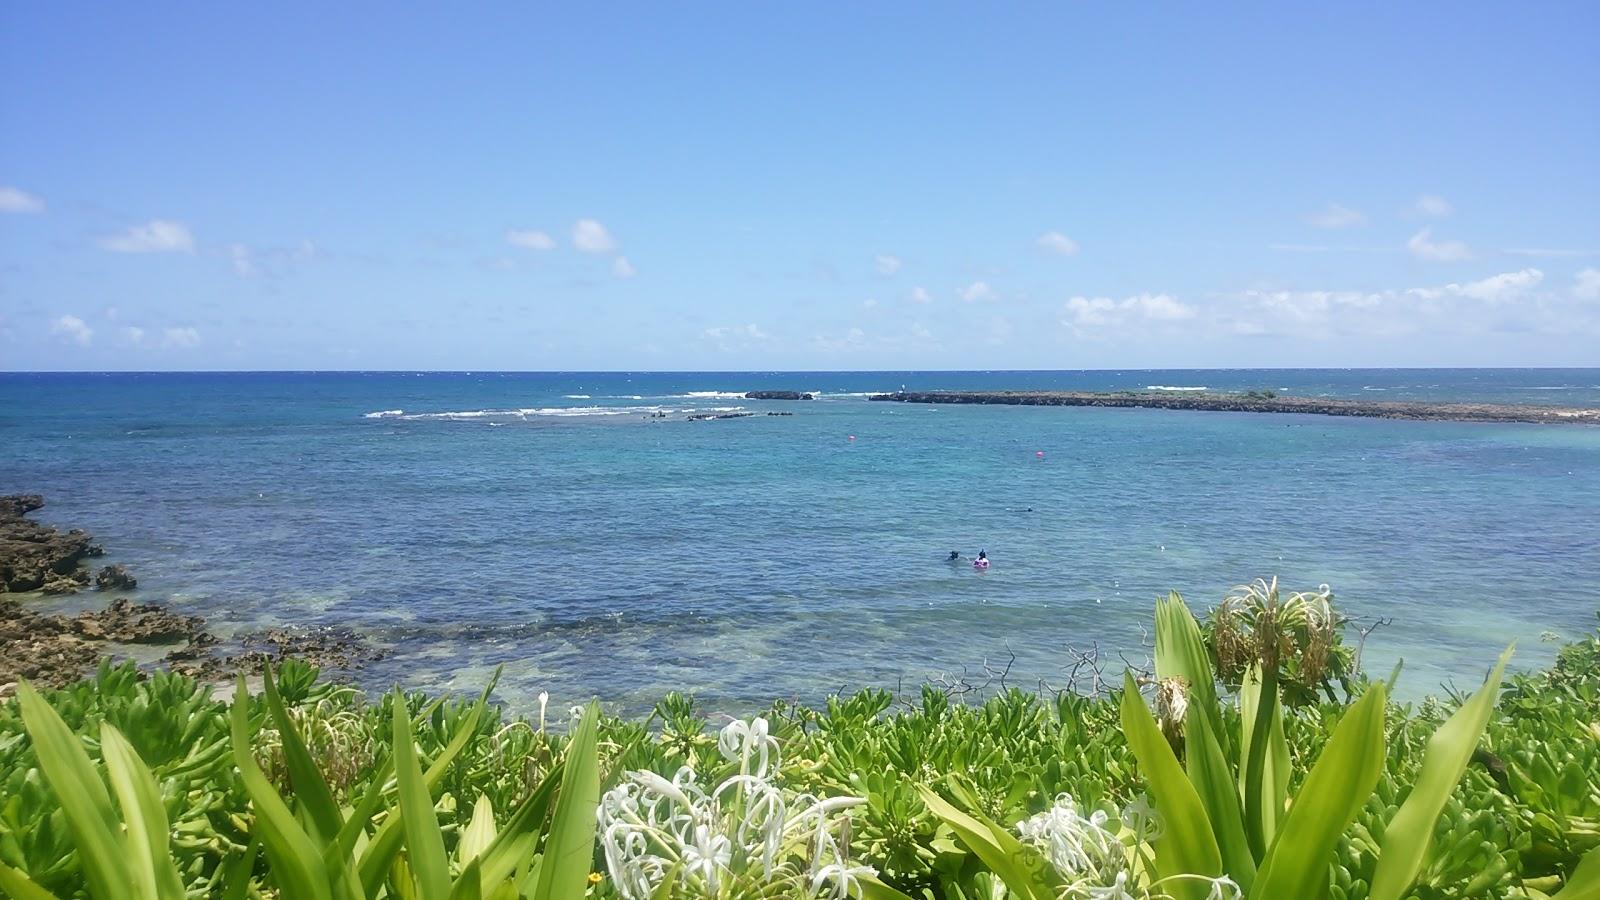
(954,556)
(982,562)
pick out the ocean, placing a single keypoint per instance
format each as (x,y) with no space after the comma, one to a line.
(556,524)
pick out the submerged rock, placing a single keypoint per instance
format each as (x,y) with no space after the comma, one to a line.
(777,395)
(115,578)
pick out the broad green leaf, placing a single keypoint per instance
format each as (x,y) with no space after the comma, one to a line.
(1219,793)
(1406,839)
(1188,845)
(424,842)
(469,886)
(478,834)
(1274,776)
(296,866)
(380,852)
(1585,881)
(1181,652)
(569,849)
(1341,781)
(1003,854)
(84,800)
(309,787)
(19,886)
(513,847)
(144,816)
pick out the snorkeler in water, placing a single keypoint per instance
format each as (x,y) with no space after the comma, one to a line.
(982,562)
(954,556)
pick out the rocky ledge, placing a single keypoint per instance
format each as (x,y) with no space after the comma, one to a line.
(35,557)
(777,395)
(55,650)
(1262,403)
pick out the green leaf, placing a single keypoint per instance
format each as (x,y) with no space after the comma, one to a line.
(1188,846)
(1274,773)
(237,871)
(424,842)
(292,856)
(1181,652)
(1341,781)
(478,834)
(873,889)
(381,850)
(1585,881)
(309,787)
(470,885)
(145,817)
(1003,854)
(564,873)
(513,847)
(84,800)
(1213,780)
(21,887)
(1406,839)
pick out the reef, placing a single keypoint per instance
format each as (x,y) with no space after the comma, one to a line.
(778,395)
(35,557)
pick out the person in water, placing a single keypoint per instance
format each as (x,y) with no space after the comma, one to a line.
(982,562)
(954,555)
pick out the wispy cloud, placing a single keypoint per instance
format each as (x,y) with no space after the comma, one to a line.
(242,259)
(979,291)
(17,200)
(1586,285)
(180,338)
(589,236)
(531,240)
(920,295)
(1057,243)
(887,265)
(1548,252)
(1087,313)
(729,338)
(154,236)
(73,329)
(1432,206)
(1424,247)
(1336,216)
(621,268)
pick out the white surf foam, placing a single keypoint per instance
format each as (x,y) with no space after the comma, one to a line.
(1175,387)
(713,395)
(384,414)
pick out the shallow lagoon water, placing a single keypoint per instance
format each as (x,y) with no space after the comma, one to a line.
(545,522)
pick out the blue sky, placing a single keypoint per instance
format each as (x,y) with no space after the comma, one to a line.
(754,186)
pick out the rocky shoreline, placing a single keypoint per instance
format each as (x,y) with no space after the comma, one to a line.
(53,650)
(1262,402)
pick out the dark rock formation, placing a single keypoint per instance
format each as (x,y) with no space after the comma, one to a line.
(115,578)
(777,395)
(38,557)
(143,623)
(42,649)
(700,417)
(1259,402)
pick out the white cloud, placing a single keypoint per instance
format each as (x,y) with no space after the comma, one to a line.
(1057,243)
(920,295)
(16,200)
(978,290)
(887,265)
(531,240)
(870,303)
(1336,216)
(73,329)
(1548,252)
(735,337)
(1423,246)
(181,338)
(921,332)
(154,236)
(1101,312)
(1433,206)
(589,236)
(243,261)
(1586,285)
(1498,288)
(133,334)
(621,268)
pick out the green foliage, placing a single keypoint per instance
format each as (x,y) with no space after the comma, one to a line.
(148,786)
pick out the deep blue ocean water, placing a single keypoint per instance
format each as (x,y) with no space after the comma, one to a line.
(546,522)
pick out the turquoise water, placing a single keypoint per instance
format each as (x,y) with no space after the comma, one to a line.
(545,522)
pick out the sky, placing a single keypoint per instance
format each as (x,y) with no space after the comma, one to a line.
(798,186)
